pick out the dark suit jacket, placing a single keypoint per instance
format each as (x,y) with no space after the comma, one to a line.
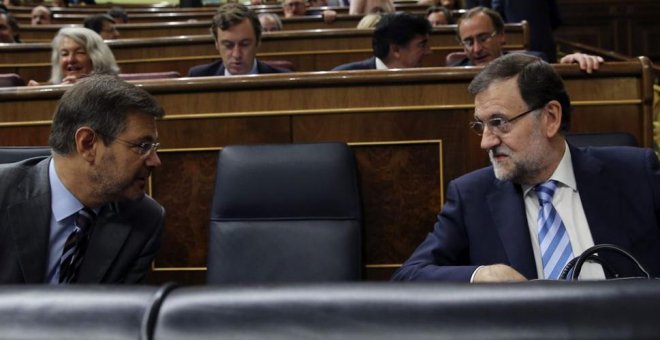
(218,69)
(367,64)
(123,243)
(483,220)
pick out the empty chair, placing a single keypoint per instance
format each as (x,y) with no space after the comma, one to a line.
(285,213)
(601,139)
(10,154)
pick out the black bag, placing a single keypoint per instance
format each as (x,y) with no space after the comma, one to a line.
(574,266)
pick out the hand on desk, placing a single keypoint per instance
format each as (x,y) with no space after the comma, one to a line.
(497,273)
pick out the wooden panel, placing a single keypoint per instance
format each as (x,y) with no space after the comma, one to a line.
(408,129)
(629,27)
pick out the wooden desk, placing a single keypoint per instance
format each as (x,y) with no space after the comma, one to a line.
(409,130)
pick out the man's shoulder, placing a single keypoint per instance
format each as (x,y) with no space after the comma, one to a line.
(461,62)
(206,70)
(622,156)
(26,179)
(367,64)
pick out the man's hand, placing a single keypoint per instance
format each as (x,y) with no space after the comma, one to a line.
(497,273)
(587,62)
(329,16)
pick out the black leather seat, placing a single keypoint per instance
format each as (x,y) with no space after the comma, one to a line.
(601,139)
(285,213)
(412,311)
(77,312)
(9,154)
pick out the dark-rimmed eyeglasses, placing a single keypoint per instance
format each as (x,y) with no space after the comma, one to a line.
(481,39)
(144,149)
(498,125)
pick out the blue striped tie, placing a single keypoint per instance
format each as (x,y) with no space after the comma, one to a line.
(555,245)
(76,245)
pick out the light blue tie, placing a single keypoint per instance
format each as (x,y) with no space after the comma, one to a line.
(555,245)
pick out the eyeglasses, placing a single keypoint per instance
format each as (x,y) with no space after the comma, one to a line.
(144,149)
(481,39)
(498,125)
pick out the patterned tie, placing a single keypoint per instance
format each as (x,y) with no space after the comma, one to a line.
(76,245)
(555,245)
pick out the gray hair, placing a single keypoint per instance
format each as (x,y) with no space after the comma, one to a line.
(103,61)
(102,103)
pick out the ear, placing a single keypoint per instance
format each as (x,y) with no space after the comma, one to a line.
(394,51)
(552,118)
(86,142)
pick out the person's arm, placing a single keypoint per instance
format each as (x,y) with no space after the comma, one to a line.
(139,269)
(356,7)
(587,62)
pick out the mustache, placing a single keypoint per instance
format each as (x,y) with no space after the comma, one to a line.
(499,150)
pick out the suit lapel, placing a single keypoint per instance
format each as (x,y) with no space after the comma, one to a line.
(601,200)
(108,238)
(508,211)
(29,221)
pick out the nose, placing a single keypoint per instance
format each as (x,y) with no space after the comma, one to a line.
(153,160)
(237,52)
(427,50)
(489,139)
(476,46)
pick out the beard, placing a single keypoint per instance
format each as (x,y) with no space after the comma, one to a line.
(522,167)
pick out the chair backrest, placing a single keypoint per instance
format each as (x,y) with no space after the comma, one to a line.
(75,312)
(10,154)
(454,57)
(601,139)
(281,64)
(285,213)
(625,309)
(11,79)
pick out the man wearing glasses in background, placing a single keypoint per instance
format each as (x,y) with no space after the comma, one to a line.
(481,32)
(542,201)
(82,215)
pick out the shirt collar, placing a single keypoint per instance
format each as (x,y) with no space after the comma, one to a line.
(63,203)
(254,69)
(563,174)
(380,65)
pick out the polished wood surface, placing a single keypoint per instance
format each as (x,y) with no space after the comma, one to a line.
(309,50)
(408,129)
(629,27)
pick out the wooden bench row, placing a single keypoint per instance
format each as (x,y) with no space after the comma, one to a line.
(309,50)
(409,130)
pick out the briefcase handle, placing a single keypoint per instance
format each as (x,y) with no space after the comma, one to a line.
(590,254)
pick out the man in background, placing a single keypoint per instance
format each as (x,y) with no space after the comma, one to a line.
(102,24)
(481,32)
(400,40)
(41,15)
(237,33)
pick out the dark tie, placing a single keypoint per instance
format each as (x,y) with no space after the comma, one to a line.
(76,245)
(555,245)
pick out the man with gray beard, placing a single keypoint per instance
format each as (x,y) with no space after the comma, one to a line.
(543,201)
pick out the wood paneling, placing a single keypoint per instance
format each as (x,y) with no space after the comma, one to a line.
(408,129)
(629,27)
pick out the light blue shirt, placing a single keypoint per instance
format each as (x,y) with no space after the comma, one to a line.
(63,206)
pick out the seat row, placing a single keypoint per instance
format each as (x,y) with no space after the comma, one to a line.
(535,310)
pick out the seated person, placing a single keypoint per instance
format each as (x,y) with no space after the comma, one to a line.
(102,24)
(41,15)
(400,40)
(77,53)
(543,201)
(439,16)
(371,7)
(119,14)
(9,29)
(297,8)
(481,32)
(237,33)
(270,22)
(448,4)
